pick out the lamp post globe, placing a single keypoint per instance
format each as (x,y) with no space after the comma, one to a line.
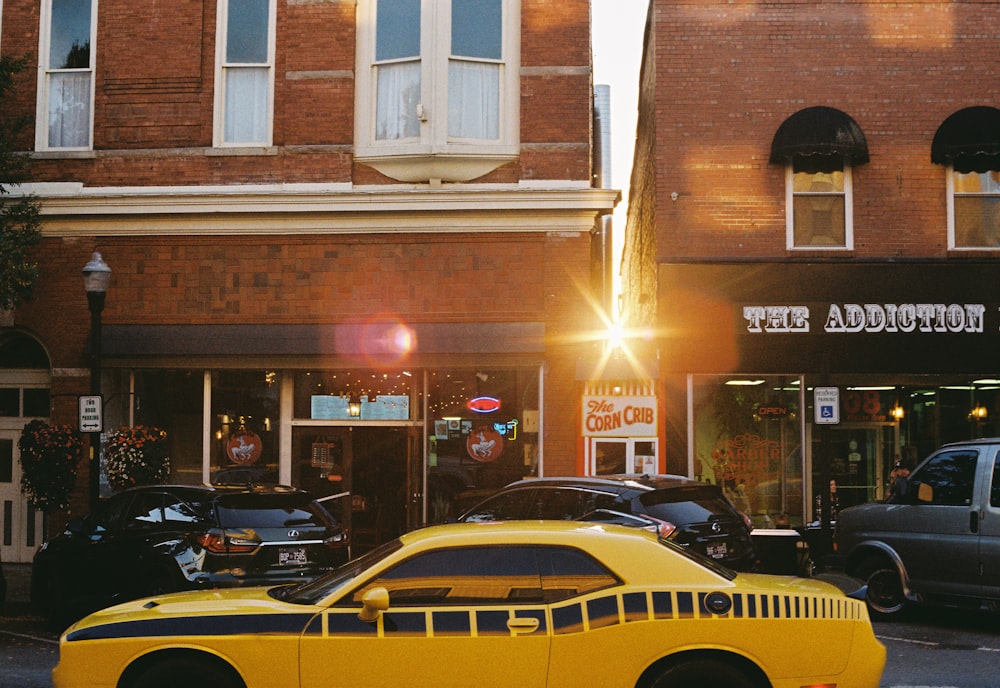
(96,278)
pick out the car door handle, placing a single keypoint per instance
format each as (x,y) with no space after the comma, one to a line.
(520,624)
(974,521)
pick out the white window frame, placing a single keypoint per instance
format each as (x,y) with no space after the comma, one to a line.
(634,463)
(952,228)
(46,75)
(221,69)
(434,154)
(848,196)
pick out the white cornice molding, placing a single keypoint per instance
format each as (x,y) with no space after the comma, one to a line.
(70,210)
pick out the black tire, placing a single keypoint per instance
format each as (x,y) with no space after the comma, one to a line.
(700,673)
(885,596)
(189,672)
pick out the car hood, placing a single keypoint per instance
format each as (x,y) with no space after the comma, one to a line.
(217,611)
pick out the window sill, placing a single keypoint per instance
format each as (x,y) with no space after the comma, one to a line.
(420,167)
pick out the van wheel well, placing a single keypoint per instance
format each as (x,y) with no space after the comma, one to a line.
(885,596)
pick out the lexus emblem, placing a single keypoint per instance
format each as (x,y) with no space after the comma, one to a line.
(716,528)
(294,534)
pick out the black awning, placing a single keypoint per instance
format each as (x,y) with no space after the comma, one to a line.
(819,139)
(969,140)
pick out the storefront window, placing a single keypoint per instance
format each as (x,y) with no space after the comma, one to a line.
(245,412)
(483,434)
(748,441)
(355,395)
(167,399)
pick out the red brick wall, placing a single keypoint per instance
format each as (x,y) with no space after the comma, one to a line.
(728,74)
(154,97)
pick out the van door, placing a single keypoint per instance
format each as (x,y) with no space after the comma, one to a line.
(989,527)
(938,541)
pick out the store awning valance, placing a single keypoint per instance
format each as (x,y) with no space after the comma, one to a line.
(819,139)
(969,140)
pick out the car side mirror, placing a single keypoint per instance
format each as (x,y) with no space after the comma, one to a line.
(75,526)
(375,602)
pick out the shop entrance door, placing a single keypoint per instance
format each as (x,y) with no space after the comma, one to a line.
(861,455)
(371,478)
(21,527)
(612,455)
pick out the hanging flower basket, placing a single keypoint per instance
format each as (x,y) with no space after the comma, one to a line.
(136,456)
(50,458)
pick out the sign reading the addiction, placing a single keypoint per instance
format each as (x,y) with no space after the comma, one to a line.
(870,317)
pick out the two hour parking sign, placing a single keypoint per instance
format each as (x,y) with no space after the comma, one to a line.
(826,403)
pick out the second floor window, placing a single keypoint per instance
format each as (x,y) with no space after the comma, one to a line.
(976,206)
(818,147)
(66,76)
(438,78)
(244,78)
(820,209)
(967,144)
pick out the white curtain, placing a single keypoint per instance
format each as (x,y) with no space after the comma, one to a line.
(473,100)
(246,105)
(69,109)
(398,94)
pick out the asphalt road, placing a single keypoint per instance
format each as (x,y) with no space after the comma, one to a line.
(931,649)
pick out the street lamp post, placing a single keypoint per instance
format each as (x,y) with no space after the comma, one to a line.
(96,277)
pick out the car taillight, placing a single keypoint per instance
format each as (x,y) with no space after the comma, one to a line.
(338,539)
(747,521)
(229,542)
(664,529)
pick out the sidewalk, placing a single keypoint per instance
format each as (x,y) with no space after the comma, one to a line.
(18,590)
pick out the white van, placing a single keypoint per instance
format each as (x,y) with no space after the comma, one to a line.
(937,540)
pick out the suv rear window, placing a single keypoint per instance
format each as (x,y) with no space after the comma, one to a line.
(695,504)
(270,511)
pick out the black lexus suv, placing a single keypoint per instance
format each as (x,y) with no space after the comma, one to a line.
(692,514)
(165,538)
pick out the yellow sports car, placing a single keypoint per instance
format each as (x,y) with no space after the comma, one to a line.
(526,604)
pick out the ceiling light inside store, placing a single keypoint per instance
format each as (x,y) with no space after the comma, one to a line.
(745,383)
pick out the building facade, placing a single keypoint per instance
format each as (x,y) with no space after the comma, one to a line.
(812,236)
(351,242)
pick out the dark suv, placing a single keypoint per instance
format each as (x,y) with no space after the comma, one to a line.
(690,513)
(151,540)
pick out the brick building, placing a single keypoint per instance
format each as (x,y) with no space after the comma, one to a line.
(332,225)
(813,204)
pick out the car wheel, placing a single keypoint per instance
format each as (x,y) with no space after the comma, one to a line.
(698,673)
(190,672)
(885,596)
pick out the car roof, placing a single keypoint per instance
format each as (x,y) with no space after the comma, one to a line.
(971,443)
(215,489)
(637,481)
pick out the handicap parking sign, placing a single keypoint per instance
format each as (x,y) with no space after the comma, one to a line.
(826,402)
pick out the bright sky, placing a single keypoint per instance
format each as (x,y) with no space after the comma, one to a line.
(618,27)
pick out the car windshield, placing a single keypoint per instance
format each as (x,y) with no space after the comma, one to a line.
(319,588)
(270,511)
(694,504)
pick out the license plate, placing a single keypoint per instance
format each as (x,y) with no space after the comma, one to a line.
(716,551)
(291,555)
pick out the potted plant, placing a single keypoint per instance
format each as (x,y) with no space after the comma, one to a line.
(50,458)
(136,456)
